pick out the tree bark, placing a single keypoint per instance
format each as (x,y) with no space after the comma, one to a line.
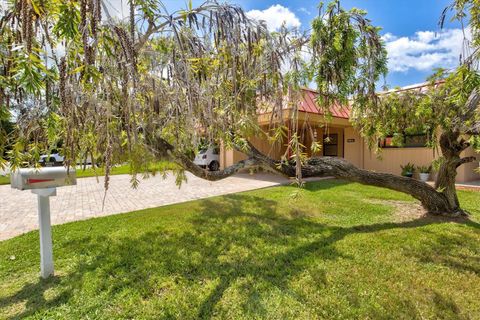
(452,145)
(445,182)
(435,202)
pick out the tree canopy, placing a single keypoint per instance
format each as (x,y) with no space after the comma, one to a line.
(77,79)
(102,86)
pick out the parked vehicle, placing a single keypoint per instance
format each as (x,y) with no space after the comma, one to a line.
(51,160)
(208,158)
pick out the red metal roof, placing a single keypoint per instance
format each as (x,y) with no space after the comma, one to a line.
(309,105)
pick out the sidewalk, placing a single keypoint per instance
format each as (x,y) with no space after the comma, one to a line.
(18,209)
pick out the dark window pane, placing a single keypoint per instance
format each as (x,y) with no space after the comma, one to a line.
(331,139)
(330,150)
(330,145)
(409,141)
(416,141)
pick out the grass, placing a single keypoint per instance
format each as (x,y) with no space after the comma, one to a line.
(4,180)
(123,169)
(334,250)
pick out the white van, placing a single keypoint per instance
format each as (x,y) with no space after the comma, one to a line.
(208,158)
(51,160)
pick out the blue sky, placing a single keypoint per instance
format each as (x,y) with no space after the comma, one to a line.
(414,41)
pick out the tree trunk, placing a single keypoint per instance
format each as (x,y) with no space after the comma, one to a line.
(436,203)
(452,145)
(445,182)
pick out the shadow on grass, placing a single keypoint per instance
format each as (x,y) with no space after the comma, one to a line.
(33,296)
(325,184)
(230,239)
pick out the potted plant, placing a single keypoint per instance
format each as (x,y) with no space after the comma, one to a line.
(424,172)
(408,170)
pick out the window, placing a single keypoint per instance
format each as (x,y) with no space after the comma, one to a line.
(408,141)
(330,145)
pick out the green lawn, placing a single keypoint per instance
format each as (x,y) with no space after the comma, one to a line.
(331,251)
(4,180)
(124,169)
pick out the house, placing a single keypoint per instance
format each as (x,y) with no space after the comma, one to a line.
(338,138)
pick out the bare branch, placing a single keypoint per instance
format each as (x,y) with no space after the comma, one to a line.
(465,160)
(184,161)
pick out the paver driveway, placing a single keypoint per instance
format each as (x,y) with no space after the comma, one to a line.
(18,209)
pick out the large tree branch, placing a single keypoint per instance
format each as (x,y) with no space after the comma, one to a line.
(190,166)
(432,200)
(435,202)
(465,160)
(163,148)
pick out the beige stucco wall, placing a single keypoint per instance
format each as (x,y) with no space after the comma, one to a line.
(467,171)
(357,153)
(229,157)
(354,148)
(273,150)
(277,150)
(390,159)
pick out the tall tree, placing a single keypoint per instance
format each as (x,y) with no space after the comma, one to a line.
(147,88)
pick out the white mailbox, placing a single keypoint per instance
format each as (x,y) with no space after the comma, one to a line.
(43,182)
(51,177)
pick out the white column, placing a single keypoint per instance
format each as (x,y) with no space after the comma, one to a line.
(46,250)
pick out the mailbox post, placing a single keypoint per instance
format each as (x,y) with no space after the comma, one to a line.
(43,182)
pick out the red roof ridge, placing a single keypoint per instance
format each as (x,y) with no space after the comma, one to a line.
(309,89)
(413,86)
(309,103)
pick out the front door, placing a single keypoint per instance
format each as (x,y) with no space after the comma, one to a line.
(330,145)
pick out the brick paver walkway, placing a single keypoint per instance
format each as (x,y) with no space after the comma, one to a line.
(18,209)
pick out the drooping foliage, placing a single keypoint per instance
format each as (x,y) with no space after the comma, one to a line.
(88,84)
(441,105)
(160,83)
(438,106)
(348,56)
(100,87)
(467,12)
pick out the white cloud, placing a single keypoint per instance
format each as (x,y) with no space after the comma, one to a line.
(304,10)
(389,37)
(3,6)
(275,16)
(425,50)
(117,8)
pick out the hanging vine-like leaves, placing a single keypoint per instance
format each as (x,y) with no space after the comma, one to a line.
(195,74)
(199,70)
